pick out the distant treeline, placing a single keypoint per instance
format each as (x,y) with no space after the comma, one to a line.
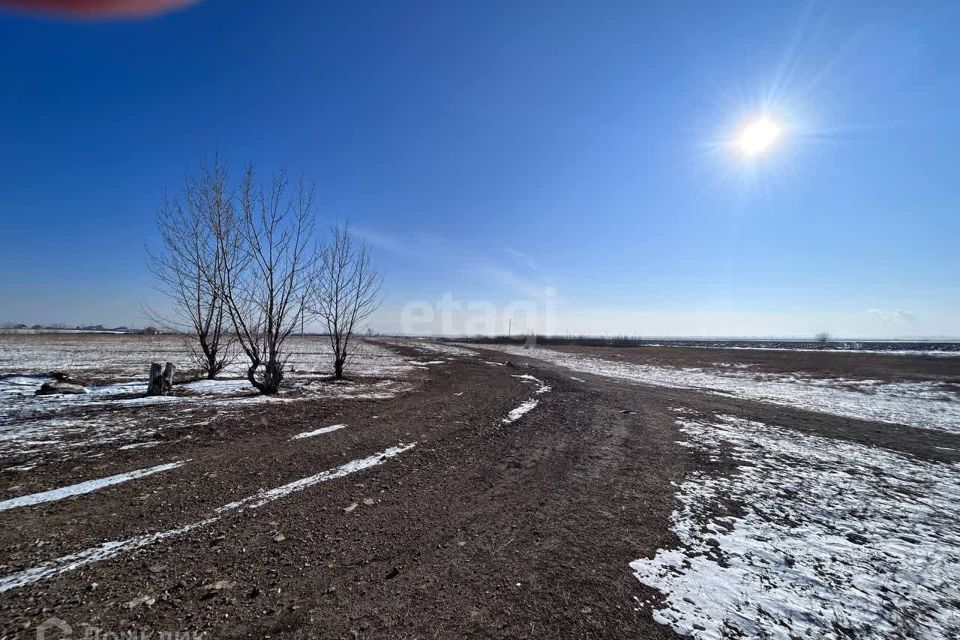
(731,343)
(12,328)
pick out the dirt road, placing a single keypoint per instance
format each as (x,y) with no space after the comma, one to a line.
(442,512)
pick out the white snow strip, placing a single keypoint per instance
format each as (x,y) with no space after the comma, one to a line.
(318,432)
(528,405)
(85,487)
(522,410)
(138,445)
(114,548)
(542,387)
(435,347)
(925,405)
(262,498)
(494,364)
(103,551)
(829,539)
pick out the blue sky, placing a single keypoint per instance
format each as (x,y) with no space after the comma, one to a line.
(572,155)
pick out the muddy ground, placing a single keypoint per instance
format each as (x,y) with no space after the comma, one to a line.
(482,530)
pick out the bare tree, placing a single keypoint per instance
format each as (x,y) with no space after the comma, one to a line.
(189,264)
(347,291)
(822,339)
(269,258)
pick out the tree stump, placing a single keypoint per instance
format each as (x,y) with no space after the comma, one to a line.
(168,378)
(161,379)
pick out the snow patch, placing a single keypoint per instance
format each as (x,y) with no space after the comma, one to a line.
(437,347)
(318,432)
(542,387)
(138,445)
(525,408)
(925,405)
(262,498)
(528,405)
(85,487)
(829,539)
(217,387)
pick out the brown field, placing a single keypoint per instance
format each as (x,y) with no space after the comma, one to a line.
(493,524)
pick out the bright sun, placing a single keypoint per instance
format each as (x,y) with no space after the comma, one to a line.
(758,136)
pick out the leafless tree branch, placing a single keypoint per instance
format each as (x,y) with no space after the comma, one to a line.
(346,292)
(269,257)
(188,266)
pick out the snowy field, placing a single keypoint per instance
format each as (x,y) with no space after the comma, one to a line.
(35,429)
(129,356)
(926,405)
(829,539)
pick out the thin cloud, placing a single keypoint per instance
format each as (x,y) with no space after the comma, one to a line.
(98,9)
(524,258)
(434,250)
(897,316)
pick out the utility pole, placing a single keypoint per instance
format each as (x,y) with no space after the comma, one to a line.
(509,327)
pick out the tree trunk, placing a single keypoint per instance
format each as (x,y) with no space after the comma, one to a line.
(338,368)
(272,377)
(213,367)
(168,372)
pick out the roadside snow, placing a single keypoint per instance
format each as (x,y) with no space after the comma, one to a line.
(137,445)
(349,390)
(219,387)
(436,347)
(113,548)
(84,487)
(318,432)
(925,405)
(542,387)
(105,551)
(264,497)
(829,539)
(528,405)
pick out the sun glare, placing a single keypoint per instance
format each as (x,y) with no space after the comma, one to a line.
(757,137)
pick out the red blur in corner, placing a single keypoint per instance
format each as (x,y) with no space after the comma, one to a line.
(98,8)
